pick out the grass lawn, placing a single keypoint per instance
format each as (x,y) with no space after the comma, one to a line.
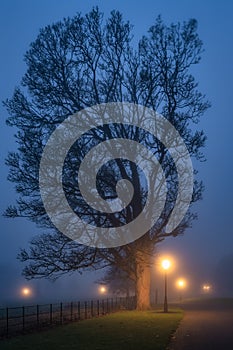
(123,330)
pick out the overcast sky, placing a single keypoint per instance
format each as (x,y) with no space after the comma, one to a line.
(210,239)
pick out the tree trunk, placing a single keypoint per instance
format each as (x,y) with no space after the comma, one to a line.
(143,281)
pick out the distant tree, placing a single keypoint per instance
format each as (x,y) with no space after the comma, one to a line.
(80,62)
(118,282)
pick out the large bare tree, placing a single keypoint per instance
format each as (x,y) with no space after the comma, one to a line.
(84,61)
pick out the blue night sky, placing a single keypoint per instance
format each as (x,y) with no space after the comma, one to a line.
(211,237)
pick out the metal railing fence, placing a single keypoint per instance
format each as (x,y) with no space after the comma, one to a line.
(15,320)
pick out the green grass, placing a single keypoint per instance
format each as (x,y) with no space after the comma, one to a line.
(123,330)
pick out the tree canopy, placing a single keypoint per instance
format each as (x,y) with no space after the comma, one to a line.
(80,62)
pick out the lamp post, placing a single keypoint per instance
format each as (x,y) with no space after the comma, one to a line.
(165,265)
(181,283)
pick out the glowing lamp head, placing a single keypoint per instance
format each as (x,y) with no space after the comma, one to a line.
(206,287)
(26,292)
(166,264)
(103,289)
(181,283)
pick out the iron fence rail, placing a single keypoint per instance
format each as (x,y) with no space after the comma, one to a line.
(14,320)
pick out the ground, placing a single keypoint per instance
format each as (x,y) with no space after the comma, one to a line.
(207,324)
(126,330)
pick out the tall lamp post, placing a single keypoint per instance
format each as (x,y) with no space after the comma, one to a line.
(165,265)
(181,284)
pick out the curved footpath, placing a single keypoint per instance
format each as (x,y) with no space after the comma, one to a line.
(207,325)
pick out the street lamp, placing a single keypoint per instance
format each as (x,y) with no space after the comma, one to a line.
(206,288)
(102,290)
(165,265)
(181,284)
(26,292)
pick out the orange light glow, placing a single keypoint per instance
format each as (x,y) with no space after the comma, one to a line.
(103,289)
(166,264)
(181,283)
(26,292)
(206,288)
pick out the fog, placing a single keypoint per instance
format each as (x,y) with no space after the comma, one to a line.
(68,288)
(205,253)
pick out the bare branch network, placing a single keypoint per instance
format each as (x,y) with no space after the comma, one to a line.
(80,62)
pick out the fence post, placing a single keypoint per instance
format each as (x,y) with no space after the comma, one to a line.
(7,321)
(51,313)
(85,308)
(61,315)
(112,305)
(103,306)
(79,314)
(156,296)
(92,309)
(23,316)
(37,315)
(98,307)
(71,311)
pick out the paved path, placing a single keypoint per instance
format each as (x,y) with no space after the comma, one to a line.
(207,325)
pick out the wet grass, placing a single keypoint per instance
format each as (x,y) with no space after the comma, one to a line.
(120,331)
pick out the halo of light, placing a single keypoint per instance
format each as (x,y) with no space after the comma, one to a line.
(102,289)
(166,264)
(181,283)
(26,292)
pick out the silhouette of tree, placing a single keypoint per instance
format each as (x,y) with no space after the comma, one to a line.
(83,61)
